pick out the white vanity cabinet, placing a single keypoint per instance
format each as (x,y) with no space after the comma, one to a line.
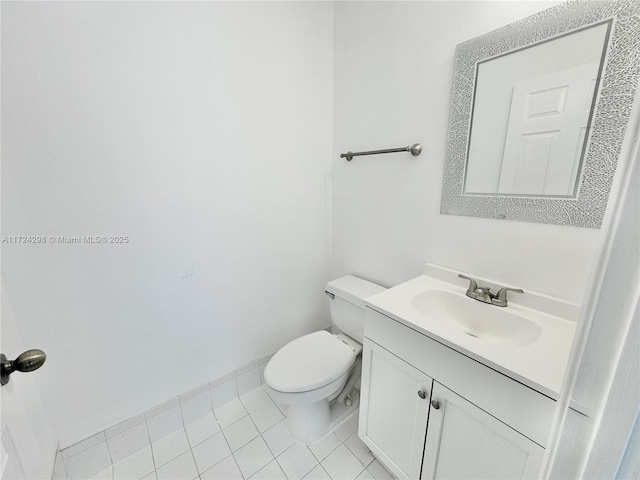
(393,419)
(428,411)
(464,441)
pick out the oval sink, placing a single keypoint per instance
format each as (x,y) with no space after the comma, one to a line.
(477,319)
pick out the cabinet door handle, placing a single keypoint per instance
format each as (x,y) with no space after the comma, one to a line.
(422,394)
(435,404)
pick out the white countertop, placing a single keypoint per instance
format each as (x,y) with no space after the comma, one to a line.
(539,365)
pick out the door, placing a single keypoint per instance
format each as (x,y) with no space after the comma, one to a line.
(27,444)
(465,442)
(546,131)
(393,410)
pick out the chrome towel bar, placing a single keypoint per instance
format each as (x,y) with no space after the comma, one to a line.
(415,150)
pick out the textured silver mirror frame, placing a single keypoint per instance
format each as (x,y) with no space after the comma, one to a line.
(608,126)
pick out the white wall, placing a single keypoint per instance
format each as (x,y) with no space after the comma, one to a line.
(202,131)
(393,69)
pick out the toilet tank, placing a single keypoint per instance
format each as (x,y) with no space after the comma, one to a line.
(347,304)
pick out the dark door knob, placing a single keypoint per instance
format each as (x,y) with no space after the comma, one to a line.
(26,362)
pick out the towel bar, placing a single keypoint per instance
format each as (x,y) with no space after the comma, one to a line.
(415,150)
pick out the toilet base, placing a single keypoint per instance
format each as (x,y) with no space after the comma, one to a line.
(308,423)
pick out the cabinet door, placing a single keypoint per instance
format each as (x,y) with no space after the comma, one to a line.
(393,412)
(465,442)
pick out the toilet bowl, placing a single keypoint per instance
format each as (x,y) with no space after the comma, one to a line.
(310,373)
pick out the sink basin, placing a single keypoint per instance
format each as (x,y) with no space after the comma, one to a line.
(477,319)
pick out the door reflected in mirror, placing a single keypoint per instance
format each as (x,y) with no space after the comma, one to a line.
(532,110)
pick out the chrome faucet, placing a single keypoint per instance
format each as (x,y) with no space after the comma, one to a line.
(484,294)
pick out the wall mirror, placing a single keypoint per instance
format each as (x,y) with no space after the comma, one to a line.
(538,114)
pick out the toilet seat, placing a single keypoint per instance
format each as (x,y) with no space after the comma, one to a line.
(309,363)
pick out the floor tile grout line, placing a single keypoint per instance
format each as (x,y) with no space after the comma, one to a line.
(289,448)
(153,457)
(238,448)
(280,466)
(257,430)
(322,467)
(342,442)
(234,422)
(332,450)
(193,456)
(275,457)
(364,467)
(221,432)
(261,387)
(309,450)
(325,471)
(184,429)
(177,455)
(206,438)
(262,438)
(106,442)
(268,463)
(267,443)
(354,453)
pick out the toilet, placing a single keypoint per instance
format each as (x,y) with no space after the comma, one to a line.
(315,375)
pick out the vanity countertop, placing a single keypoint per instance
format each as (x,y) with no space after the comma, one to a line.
(540,365)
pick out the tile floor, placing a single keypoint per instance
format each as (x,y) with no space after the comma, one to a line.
(247,439)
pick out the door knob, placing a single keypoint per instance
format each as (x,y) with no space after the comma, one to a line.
(422,394)
(26,362)
(435,404)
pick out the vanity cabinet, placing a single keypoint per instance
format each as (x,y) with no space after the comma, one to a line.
(393,418)
(428,411)
(464,441)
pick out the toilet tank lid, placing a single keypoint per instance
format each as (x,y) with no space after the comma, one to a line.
(353,289)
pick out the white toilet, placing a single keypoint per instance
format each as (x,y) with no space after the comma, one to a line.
(310,373)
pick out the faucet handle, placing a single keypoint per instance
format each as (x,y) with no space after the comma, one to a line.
(477,293)
(473,285)
(500,299)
